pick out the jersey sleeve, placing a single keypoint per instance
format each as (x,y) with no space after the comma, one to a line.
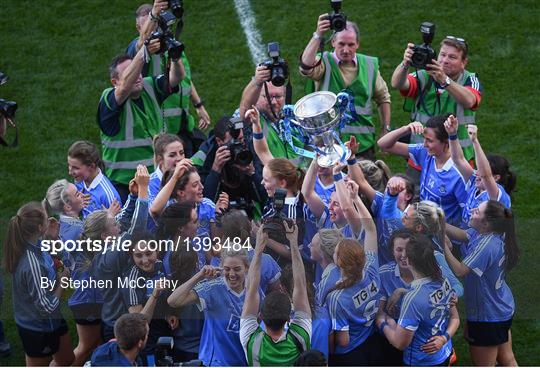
(206,297)
(473,84)
(417,153)
(371,266)
(248,326)
(270,270)
(413,87)
(482,257)
(45,301)
(337,314)
(109,114)
(410,316)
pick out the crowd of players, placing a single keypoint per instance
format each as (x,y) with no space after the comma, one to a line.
(270,258)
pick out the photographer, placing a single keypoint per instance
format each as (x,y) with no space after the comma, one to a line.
(357,73)
(443,87)
(129,115)
(131,333)
(226,163)
(176,106)
(269,101)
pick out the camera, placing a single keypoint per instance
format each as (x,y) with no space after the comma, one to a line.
(8,108)
(240,154)
(423,54)
(163,356)
(274,225)
(177,8)
(338,20)
(165,35)
(279,71)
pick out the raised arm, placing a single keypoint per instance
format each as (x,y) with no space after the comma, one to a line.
(389,142)
(346,196)
(370,241)
(259,141)
(163,196)
(309,56)
(399,77)
(251,93)
(251,302)
(184,294)
(196,100)
(484,169)
(451,126)
(151,22)
(299,296)
(125,81)
(315,204)
(177,72)
(356,173)
(459,268)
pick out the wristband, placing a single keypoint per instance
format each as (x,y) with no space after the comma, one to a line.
(338,177)
(404,66)
(381,328)
(447,336)
(316,36)
(258,136)
(198,105)
(153,18)
(352,161)
(452,137)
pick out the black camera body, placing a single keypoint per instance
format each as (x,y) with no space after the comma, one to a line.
(338,20)
(240,154)
(274,225)
(163,356)
(279,70)
(423,54)
(166,37)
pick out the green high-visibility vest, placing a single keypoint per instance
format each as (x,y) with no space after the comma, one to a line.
(440,103)
(176,104)
(263,351)
(361,88)
(279,147)
(132,145)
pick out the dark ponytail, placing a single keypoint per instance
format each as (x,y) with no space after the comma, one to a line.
(420,254)
(500,166)
(501,221)
(22,227)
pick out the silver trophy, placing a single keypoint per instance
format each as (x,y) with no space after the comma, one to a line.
(318,114)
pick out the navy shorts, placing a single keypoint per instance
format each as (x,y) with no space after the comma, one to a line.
(488,333)
(87,314)
(37,344)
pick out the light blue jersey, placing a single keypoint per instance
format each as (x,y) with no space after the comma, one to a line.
(325,191)
(321,327)
(387,219)
(330,276)
(353,309)
(70,228)
(426,312)
(206,213)
(444,186)
(390,281)
(325,223)
(220,340)
(102,194)
(270,270)
(488,297)
(154,186)
(475,197)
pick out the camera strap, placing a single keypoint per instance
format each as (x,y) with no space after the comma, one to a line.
(422,93)
(318,62)
(15,141)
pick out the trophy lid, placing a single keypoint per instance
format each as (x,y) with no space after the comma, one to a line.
(314,104)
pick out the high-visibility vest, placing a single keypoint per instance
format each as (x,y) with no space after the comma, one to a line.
(361,88)
(132,145)
(177,104)
(439,103)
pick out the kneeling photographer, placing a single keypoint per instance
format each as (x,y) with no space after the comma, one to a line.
(226,163)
